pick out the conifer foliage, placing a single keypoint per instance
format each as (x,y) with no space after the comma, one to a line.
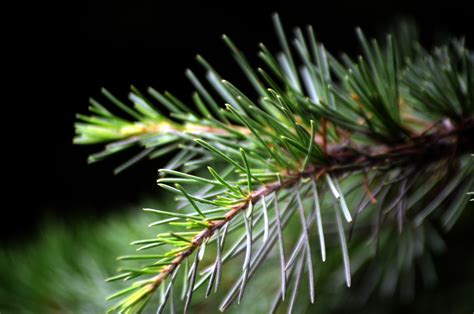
(369,155)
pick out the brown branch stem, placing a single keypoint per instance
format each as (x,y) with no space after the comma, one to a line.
(427,148)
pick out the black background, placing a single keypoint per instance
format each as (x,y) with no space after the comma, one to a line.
(114,44)
(65,59)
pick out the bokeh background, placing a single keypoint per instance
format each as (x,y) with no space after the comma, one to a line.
(150,43)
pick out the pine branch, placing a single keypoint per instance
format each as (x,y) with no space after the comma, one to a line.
(393,127)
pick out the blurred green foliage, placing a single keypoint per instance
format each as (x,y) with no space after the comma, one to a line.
(64,269)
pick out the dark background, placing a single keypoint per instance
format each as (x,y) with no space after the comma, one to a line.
(114,44)
(150,43)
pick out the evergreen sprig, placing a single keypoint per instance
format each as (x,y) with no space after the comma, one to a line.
(359,149)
